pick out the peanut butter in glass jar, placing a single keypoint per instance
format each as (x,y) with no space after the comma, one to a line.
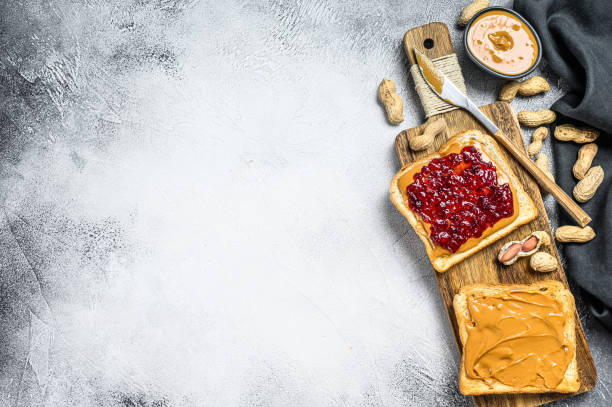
(502,42)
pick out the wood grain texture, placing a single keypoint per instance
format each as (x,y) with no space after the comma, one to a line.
(483,267)
(544,181)
(437,32)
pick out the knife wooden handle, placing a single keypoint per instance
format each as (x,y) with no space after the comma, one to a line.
(548,184)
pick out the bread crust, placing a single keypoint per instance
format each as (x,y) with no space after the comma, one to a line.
(526,207)
(555,289)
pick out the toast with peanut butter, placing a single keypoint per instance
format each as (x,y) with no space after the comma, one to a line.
(517,338)
(462,198)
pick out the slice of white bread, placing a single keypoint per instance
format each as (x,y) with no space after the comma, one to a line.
(554,289)
(527,210)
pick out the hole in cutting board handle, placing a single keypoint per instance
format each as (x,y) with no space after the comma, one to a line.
(428,43)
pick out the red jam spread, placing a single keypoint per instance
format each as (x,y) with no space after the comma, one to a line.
(458,196)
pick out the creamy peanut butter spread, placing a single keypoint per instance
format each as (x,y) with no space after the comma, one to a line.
(503,42)
(430,73)
(516,338)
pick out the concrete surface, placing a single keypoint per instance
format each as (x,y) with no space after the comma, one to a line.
(195,208)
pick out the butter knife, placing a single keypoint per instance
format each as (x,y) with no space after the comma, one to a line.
(445,89)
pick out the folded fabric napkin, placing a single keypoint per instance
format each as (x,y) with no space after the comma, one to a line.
(577,43)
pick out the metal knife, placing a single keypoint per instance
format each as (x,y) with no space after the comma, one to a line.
(445,89)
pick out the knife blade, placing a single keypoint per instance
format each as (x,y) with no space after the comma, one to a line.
(446,90)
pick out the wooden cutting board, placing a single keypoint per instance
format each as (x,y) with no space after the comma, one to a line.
(483,267)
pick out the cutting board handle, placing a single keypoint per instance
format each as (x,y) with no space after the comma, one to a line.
(432,39)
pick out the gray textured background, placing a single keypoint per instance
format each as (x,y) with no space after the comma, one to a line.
(195,208)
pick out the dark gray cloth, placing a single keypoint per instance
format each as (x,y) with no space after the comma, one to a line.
(577,43)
